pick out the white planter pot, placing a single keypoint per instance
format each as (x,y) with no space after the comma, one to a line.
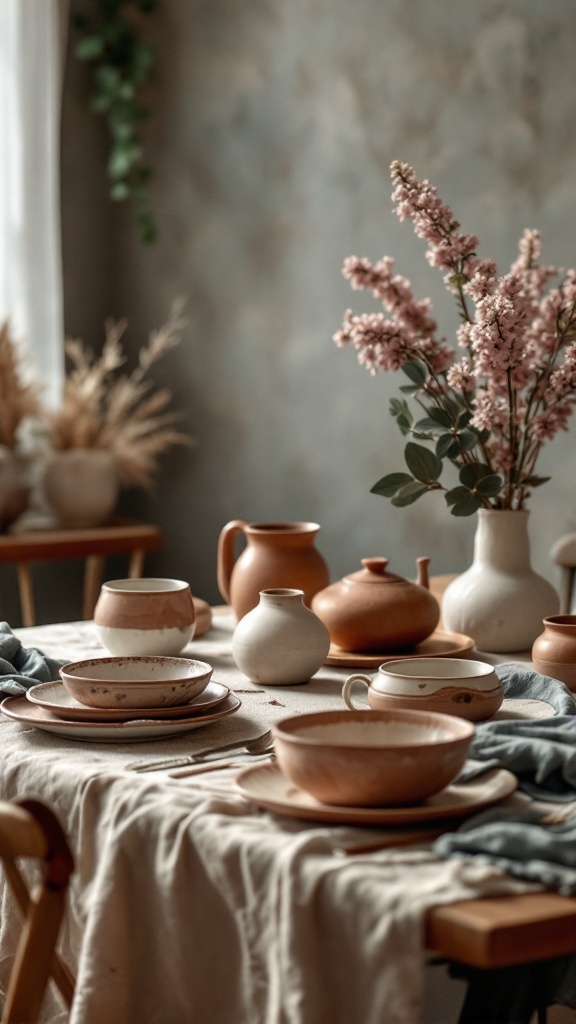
(81,486)
(500,601)
(280,642)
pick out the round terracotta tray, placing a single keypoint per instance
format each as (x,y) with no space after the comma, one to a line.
(439,645)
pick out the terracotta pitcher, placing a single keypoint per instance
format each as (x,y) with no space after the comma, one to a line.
(276,555)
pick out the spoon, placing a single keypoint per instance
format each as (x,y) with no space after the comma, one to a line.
(258,745)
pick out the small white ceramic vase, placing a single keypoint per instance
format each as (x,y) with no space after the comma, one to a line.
(500,601)
(280,642)
(81,486)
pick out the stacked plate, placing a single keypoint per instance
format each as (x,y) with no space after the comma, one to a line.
(49,706)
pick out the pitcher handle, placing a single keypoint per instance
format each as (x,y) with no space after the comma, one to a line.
(226,557)
(347,690)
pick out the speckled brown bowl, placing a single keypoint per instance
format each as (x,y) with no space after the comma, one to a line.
(137,682)
(372,758)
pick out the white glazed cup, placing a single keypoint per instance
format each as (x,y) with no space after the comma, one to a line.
(145,616)
(457,686)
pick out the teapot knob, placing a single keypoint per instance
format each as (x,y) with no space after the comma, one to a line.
(377,565)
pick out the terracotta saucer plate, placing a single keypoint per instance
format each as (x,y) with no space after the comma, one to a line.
(54,697)
(265,786)
(439,645)
(24,711)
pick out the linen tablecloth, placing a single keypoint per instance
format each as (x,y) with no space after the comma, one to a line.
(191,905)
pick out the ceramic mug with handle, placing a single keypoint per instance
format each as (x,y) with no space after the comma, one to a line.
(453,686)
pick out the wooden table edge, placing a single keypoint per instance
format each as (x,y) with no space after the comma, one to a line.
(502,931)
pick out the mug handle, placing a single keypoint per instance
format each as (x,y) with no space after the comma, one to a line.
(347,690)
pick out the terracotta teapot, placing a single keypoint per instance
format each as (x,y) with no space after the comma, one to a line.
(375,610)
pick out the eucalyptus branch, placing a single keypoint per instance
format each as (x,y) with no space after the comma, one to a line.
(122,69)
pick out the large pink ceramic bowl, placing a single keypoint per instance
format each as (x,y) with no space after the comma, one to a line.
(372,758)
(135,682)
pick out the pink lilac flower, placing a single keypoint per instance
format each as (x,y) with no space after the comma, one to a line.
(460,376)
(433,221)
(518,375)
(546,424)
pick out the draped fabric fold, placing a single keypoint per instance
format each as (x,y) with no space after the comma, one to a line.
(32,49)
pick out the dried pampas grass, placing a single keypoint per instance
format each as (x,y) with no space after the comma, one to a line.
(120,413)
(19,398)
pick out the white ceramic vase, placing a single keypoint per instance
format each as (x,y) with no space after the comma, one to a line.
(500,601)
(81,486)
(280,642)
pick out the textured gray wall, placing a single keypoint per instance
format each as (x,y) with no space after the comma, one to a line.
(272,132)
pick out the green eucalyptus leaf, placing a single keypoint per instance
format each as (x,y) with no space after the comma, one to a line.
(409,494)
(398,406)
(454,451)
(428,424)
(456,494)
(89,48)
(472,472)
(490,486)
(107,79)
(443,445)
(463,419)
(467,439)
(409,389)
(535,481)
(458,280)
(422,463)
(466,506)
(120,191)
(404,423)
(440,416)
(416,371)
(391,483)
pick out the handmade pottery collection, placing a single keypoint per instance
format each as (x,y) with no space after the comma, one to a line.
(452,686)
(280,642)
(376,610)
(276,555)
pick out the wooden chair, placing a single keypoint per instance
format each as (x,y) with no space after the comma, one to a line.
(564,554)
(28,829)
(94,545)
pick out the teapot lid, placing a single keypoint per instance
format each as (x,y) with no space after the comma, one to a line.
(374,571)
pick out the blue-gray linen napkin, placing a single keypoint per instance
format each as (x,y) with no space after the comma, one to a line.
(542,754)
(22,667)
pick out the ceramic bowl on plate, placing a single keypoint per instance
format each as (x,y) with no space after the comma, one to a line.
(136,682)
(372,758)
(453,686)
(145,616)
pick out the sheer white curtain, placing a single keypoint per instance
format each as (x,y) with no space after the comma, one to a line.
(32,37)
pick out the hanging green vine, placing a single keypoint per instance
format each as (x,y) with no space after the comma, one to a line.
(122,67)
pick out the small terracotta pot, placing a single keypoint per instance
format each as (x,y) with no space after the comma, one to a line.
(554,651)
